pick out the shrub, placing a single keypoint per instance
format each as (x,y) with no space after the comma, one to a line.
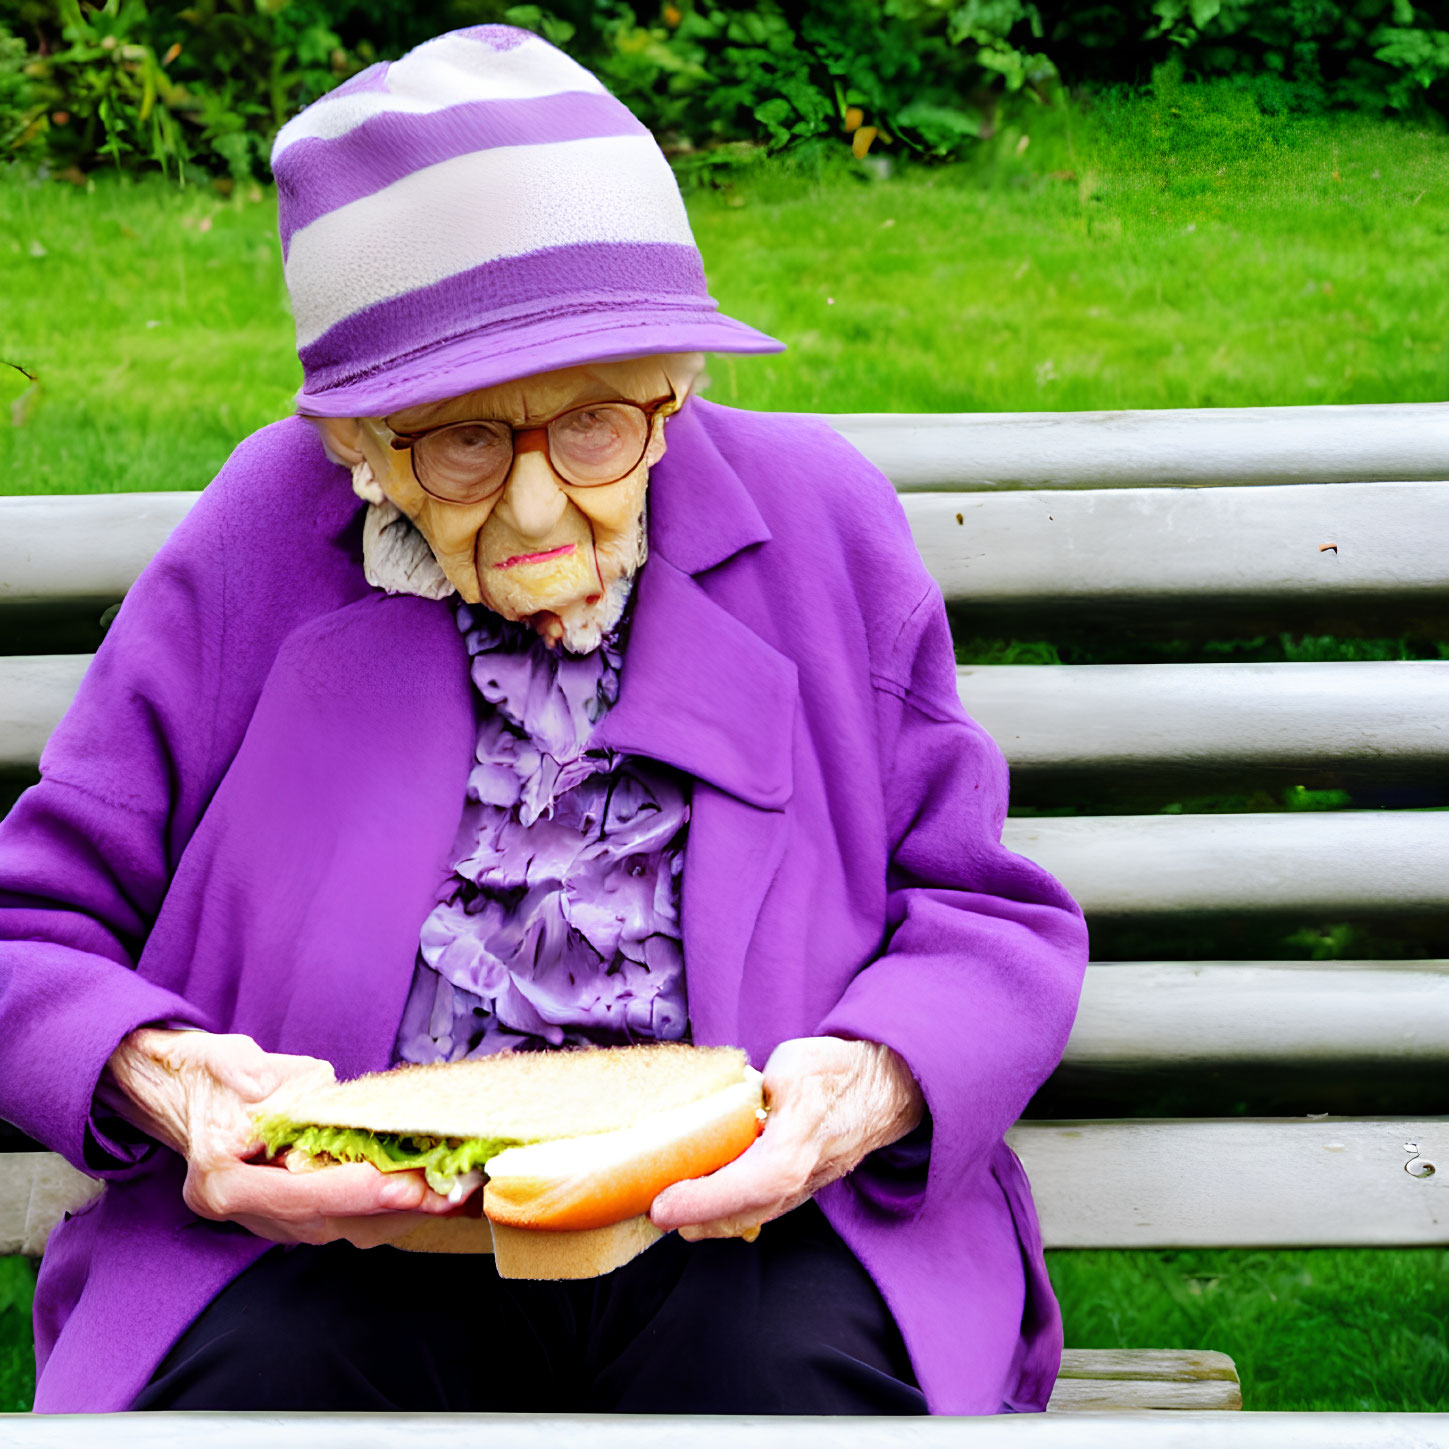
(206,84)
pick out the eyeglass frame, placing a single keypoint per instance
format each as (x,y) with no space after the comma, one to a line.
(537,442)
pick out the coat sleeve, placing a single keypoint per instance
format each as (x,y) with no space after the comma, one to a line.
(87,854)
(984,953)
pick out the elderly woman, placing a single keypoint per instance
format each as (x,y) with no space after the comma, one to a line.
(682,675)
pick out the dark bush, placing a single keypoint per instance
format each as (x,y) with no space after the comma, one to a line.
(205,85)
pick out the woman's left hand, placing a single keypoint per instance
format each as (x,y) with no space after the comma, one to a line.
(831,1102)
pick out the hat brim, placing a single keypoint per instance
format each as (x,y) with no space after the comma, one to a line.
(486,358)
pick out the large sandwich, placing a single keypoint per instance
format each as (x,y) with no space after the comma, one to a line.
(571,1147)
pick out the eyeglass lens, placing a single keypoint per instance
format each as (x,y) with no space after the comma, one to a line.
(586,447)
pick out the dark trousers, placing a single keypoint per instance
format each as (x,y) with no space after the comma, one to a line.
(790,1324)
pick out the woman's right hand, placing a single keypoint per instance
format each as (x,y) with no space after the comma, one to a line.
(195,1091)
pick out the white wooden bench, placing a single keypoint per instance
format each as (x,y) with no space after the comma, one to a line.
(1336,519)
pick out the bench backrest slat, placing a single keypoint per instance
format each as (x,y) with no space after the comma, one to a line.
(1125,716)
(1240,1182)
(1347,541)
(1176,447)
(1152,1015)
(1105,716)
(1318,543)
(82,548)
(1333,862)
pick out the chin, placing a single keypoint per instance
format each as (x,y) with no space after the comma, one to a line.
(580,627)
(561,598)
(572,613)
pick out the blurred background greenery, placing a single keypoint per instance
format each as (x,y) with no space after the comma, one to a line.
(986,205)
(205,84)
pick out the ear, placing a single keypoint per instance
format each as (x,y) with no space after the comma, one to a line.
(656,446)
(685,372)
(341,439)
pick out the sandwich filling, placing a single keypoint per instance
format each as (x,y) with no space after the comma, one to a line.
(446,1162)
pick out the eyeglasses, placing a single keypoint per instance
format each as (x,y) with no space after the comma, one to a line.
(587,447)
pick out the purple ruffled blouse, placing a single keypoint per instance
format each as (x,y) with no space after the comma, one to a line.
(559,924)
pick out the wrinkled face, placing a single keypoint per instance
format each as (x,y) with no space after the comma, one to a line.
(540,547)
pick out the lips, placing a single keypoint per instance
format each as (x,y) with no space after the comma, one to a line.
(532,558)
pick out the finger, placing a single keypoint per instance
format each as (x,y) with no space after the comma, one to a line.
(749,1189)
(349,1190)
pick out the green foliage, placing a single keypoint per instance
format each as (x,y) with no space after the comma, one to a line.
(17,1354)
(706,72)
(130,84)
(209,83)
(1006,651)
(179,85)
(1371,55)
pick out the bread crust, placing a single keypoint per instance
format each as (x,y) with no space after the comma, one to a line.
(446,1235)
(519,1096)
(620,1184)
(543,1255)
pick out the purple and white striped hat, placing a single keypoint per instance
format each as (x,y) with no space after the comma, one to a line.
(481,210)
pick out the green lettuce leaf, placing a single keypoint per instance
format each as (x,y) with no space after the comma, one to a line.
(442,1159)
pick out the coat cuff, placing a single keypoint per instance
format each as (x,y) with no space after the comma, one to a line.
(79,1008)
(892,1178)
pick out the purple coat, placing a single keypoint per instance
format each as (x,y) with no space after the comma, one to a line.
(244,817)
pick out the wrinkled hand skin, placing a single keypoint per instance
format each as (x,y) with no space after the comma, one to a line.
(831,1103)
(195,1092)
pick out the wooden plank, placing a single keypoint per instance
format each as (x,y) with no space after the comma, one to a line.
(36,1190)
(1109,1380)
(35,691)
(1116,716)
(1091,717)
(1195,447)
(1118,546)
(1238,1183)
(1125,1184)
(1152,1014)
(1149,1365)
(1189,1430)
(82,548)
(1053,547)
(1340,861)
(1088,1396)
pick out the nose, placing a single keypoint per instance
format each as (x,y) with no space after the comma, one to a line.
(532,503)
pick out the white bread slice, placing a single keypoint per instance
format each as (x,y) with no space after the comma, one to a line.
(520,1096)
(538,1253)
(596,1181)
(446,1235)
(533,1252)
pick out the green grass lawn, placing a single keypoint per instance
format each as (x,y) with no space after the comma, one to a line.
(1112,257)
(17,1368)
(1176,252)
(1121,258)
(1315,1328)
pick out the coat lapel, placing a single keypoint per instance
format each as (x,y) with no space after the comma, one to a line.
(701,691)
(342,806)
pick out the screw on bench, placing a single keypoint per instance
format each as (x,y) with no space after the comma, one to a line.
(1416,1166)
